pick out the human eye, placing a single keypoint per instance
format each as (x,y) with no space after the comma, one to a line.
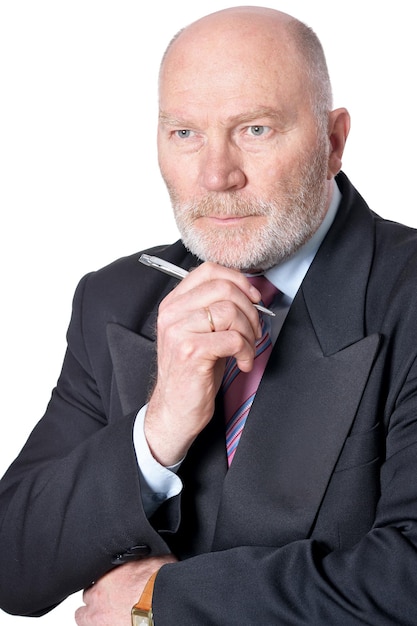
(258,130)
(184,133)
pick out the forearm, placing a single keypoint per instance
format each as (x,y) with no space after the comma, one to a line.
(300,583)
(61,522)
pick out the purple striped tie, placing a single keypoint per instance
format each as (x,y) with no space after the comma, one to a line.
(239,388)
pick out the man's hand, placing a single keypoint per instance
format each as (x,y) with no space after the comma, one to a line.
(110,600)
(191,357)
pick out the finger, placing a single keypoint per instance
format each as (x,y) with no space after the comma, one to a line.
(208,272)
(199,351)
(80,616)
(221,316)
(217,296)
(210,319)
(209,333)
(233,344)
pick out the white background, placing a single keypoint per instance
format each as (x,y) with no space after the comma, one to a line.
(78,170)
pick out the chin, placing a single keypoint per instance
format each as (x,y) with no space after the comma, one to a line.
(235,255)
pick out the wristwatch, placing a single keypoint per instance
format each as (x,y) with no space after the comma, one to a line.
(142,611)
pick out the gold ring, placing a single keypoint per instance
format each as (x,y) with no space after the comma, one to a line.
(210,319)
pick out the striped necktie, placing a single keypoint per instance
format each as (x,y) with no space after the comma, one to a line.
(239,388)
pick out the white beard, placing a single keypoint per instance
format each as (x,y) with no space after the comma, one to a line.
(284,223)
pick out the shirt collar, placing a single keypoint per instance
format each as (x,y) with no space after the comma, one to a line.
(288,275)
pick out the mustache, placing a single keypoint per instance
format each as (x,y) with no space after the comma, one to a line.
(223,206)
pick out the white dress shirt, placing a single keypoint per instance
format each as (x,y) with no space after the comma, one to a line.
(158,483)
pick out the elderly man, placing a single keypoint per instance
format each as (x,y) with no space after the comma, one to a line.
(162,463)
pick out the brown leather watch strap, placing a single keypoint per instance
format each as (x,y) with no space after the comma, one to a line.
(145,601)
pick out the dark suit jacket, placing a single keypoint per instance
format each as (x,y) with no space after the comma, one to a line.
(315,522)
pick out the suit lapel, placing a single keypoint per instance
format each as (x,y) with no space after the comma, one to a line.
(133,350)
(294,434)
(133,358)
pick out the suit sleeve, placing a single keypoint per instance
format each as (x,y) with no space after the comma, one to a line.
(373,582)
(71,501)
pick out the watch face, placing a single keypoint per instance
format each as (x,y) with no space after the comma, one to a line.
(141,618)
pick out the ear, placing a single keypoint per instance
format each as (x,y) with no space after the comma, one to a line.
(339,126)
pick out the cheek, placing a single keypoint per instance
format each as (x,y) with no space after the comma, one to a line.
(164,161)
(283,170)
(167,165)
(180,179)
(264,171)
(177,181)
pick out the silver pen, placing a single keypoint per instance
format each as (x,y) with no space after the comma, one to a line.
(180,273)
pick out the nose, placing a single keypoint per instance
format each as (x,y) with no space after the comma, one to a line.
(221,167)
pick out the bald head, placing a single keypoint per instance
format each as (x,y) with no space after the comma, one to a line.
(238,35)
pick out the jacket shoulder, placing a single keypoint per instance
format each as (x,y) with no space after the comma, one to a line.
(125,289)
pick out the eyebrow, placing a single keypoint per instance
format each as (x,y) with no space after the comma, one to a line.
(256,114)
(169,120)
(247,116)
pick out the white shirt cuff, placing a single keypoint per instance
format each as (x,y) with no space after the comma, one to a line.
(158,483)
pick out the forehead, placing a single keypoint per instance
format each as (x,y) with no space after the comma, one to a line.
(232,65)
